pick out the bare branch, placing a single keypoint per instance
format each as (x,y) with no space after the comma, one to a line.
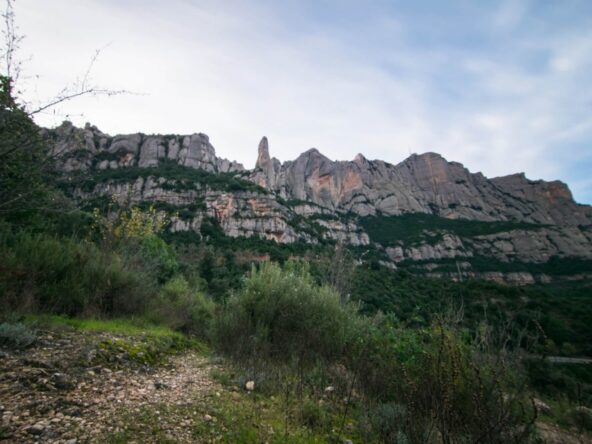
(12,41)
(84,92)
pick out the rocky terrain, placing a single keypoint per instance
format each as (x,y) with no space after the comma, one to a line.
(69,388)
(315,200)
(61,391)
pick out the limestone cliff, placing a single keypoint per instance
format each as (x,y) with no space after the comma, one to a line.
(313,199)
(425,183)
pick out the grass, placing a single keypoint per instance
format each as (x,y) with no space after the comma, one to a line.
(246,419)
(132,340)
(129,327)
(233,417)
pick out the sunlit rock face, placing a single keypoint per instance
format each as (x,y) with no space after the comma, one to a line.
(425,183)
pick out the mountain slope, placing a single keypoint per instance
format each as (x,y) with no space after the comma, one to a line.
(424,211)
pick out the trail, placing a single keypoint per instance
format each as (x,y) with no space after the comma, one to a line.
(47,394)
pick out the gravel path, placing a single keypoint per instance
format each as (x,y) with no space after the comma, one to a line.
(50,394)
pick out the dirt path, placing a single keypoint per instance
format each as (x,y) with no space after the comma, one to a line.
(50,394)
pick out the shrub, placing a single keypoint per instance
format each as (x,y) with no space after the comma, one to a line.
(448,386)
(64,276)
(384,422)
(312,414)
(159,256)
(183,307)
(16,335)
(281,316)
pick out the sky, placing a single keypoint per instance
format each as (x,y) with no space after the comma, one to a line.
(500,86)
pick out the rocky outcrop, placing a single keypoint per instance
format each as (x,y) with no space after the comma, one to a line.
(535,245)
(313,199)
(425,183)
(267,169)
(512,278)
(344,232)
(89,148)
(449,247)
(240,214)
(252,214)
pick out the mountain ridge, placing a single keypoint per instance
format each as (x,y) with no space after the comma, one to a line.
(314,200)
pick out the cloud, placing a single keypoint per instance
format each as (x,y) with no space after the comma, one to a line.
(504,89)
(510,14)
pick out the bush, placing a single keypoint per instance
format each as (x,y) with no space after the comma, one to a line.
(159,256)
(16,335)
(281,316)
(384,423)
(448,387)
(183,307)
(312,414)
(64,276)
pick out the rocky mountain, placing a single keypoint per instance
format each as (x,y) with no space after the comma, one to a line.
(425,183)
(425,212)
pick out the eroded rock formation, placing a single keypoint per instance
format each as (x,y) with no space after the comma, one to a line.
(313,199)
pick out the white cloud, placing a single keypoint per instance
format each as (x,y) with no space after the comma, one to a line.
(238,72)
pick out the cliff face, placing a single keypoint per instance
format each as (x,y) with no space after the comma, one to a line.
(90,149)
(425,183)
(316,200)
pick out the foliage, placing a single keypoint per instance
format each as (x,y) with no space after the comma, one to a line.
(453,387)
(178,178)
(183,308)
(59,275)
(124,224)
(25,162)
(560,311)
(16,335)
(159,257)
(281,316)
(571,382)
(417,227)
(458,393)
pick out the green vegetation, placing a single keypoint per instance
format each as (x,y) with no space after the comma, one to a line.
(257,418)
(128,341)
(16,335)
(333,351)
(183,307)
(178,178)
(555,266)
(59,275)
(128,326)
(281,314)
(296,338)
(561,311)
(26,166)
(414,228)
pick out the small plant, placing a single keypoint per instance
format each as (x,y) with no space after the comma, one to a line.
(183,307)
(312,414)
(223,377)
(16,335)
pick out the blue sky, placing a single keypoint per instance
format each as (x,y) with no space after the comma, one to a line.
(501,86)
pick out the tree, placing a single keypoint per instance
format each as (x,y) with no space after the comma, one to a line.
(26,158)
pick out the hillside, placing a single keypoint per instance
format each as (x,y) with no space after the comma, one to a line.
(425,214)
